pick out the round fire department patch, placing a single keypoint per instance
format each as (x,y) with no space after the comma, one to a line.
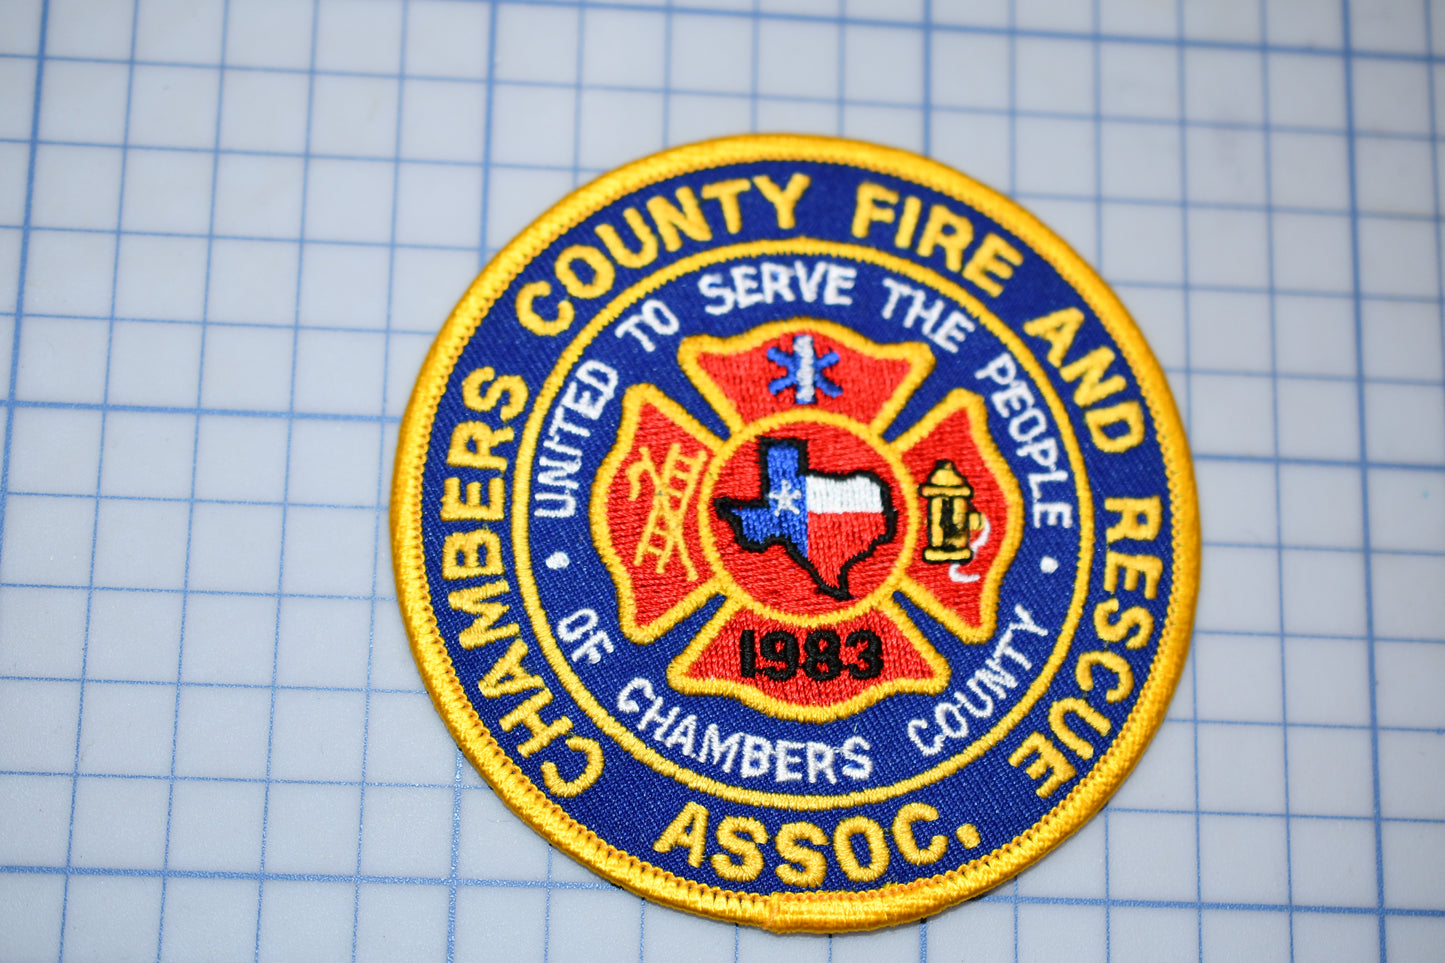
(796,532)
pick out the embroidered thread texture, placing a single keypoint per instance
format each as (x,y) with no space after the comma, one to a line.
(796,532)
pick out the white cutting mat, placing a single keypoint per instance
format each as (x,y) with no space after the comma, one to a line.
(229,230)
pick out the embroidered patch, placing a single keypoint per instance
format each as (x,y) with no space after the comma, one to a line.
(796,532)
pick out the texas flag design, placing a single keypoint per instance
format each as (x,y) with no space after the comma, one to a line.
(825,522)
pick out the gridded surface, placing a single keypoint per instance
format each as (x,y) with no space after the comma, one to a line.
(229,230)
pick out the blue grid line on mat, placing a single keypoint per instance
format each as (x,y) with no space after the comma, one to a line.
(462,785)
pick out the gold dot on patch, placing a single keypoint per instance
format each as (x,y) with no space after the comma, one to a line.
(968,835)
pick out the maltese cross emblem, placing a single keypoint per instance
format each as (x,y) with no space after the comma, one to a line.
(802,529)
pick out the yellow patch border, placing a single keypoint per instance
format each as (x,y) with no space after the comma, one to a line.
(825,911)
